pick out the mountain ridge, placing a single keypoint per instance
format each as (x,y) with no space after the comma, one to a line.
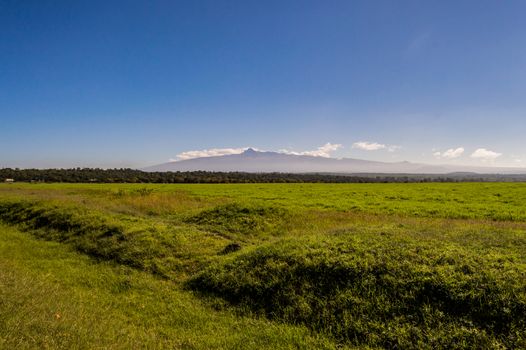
(253,161)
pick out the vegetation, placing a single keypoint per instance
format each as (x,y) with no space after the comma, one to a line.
(380,290)
(292,265)
(54,298)
(239,220)
(83,175)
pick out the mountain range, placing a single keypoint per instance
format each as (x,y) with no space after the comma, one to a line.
(253,161)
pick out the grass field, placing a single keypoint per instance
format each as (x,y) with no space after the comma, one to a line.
(263,266)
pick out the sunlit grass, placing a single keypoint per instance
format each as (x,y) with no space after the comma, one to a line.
(53,298)
(380,265)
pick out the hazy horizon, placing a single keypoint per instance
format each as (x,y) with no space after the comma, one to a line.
(136,83)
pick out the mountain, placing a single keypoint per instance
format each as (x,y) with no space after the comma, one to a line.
(264,162)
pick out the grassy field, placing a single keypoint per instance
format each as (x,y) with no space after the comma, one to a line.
(263,266)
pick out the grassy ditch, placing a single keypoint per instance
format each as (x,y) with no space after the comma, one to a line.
(150,246)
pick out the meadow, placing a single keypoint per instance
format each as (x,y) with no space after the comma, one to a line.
(243,266)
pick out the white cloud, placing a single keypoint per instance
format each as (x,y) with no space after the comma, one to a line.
(451,153)
(322,151)
(374,146)
(213,152)
(485,155)
(368,146)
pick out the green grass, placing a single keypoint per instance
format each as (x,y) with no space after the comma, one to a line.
(235,220)
(54,298)
(150,246)
(494,201)
(297,265)
(388,290)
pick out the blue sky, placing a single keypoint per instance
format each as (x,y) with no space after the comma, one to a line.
(136,83)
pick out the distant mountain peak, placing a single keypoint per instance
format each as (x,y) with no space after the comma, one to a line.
(250,151)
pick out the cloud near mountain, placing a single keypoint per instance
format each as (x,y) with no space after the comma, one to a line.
(374,146)
(322,151)
(213,152)
(451,153)
(485,155)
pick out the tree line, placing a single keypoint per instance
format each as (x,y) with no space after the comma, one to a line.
(96,175)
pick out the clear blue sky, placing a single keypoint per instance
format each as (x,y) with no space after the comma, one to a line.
(135,83)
